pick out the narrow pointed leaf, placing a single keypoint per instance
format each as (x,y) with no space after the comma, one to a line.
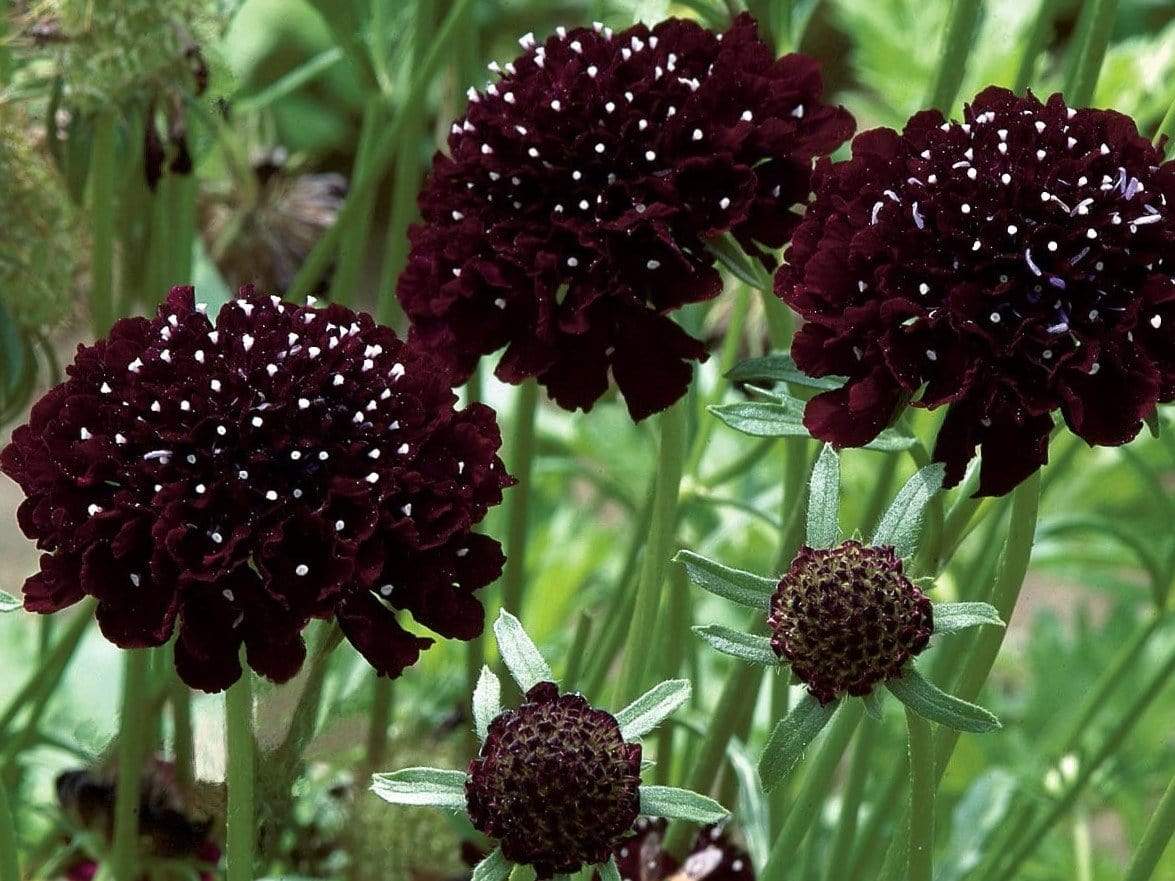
(9,603)
(522,658)
(779,367)
(744,646)
(824,500)
(652,708)
(928,701)
(608,871)
(872,703)
(495,867)
(775,418)
(792,735)
(953,617)
(680,804)
(422,786)
(901,525)
(744,588)
(487,702)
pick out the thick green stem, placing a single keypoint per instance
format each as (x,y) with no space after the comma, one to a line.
(779,799)
(812,790)
(380,721)
(132,734)
(960,37)
(658,549)
(183,744)
(241,829)
(1034,40)
(922,787)
(102,164)
(9,858)
(1155,839)
(850,808)
(1080,88)
(521,466)
(353,248)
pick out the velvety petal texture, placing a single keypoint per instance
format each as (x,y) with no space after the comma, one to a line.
(847,618)
(1007,266)
(237,480)
(571,213)
(713,856)
(555,783)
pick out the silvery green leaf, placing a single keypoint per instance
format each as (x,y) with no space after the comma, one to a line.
(495,867)
(824,500)
(652,708)
(872,703)
(902,522)
(928,701)
(9,603)
(519,653)
(779,367)
(487,702)
(608,871)
(953,617)
(422,786)
(747,647)
(792,735)
(744,588)
(680,804)
(776,418)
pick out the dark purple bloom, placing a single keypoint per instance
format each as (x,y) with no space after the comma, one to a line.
(573,212)
(288,463)
(1007,266)
(555,783)
(847,618)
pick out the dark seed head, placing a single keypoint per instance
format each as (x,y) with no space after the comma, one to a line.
(846,618)
(555,783)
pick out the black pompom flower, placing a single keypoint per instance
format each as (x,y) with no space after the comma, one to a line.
(573,212)
(1007,266)
(555,783)
(847,618)
(288,463)
(714,856)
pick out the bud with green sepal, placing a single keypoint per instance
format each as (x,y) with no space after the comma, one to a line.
(557,781)
(846,618)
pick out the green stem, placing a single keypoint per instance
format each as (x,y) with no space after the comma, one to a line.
(305,717)
(850,809)
(353,247)
(521,466)
(960,37)
(658,548)
(1034,41)
(726,358)
(1125,725)
(1080,88)
(922,787)
(102,165)
(380,721)
(779,800)
(183,745)
(132,733)
(241,829)
(740,689)
(9,858)
(1155,839)
(812,790)
(579,644)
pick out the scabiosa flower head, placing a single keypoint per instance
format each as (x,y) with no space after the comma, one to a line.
(555,782)
(284,464)
(714,856)
(573,212)
(847,618)
(1006,266)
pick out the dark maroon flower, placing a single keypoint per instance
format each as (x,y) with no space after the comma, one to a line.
(573,212)
(714,856)
(1006,266)
(289,463)
(847,618)
(555,783)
